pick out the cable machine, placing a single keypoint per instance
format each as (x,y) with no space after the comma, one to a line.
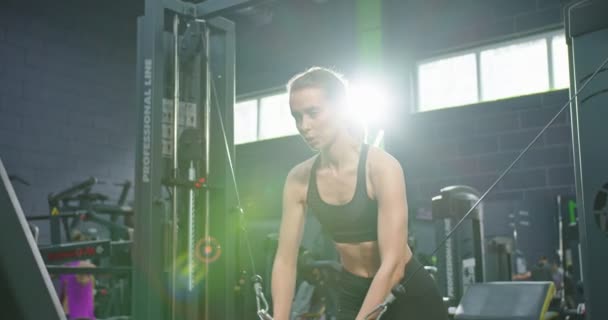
(587,37)
(185,264)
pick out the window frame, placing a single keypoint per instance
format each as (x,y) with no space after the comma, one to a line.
(258,96)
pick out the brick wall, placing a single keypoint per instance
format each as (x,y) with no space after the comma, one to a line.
(474,144)
(66,98)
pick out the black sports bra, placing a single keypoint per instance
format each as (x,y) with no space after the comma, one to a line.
(354,222)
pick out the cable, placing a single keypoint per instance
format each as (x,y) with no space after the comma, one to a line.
(261,302)
(230,163)
(382,307)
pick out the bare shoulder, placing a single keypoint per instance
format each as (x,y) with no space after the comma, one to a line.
(381,162)
(386,176)
(301,172)
(297,179)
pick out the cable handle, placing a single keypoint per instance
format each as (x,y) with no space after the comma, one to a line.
(260,299)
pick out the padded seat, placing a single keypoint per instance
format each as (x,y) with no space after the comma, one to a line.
(506,301)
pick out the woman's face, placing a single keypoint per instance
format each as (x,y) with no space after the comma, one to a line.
(316,118)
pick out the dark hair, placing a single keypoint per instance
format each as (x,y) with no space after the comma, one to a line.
(333,83)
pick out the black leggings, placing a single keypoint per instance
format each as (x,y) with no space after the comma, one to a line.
(421,301)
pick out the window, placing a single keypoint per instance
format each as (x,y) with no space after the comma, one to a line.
(524,66)
(275,117)
(246,121)
(264,117)
(514,70)
(448,82)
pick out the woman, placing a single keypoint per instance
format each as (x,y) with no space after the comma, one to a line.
(77,289)
(358,195)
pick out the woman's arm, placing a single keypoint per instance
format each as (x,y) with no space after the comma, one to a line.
(388,184)
(63,295)
(290,236)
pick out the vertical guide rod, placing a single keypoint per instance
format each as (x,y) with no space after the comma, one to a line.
(560,228)
(174,224)
(207,124)
(191,228)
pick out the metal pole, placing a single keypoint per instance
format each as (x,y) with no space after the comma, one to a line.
(560,230)
(191,227)
(207,124)
(176,98)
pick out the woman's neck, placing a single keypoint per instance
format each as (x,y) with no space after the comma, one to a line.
(343,152)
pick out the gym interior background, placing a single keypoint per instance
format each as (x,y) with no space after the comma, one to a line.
(67,95)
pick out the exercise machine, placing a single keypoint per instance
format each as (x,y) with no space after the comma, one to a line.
(189,222)
(461,262)
(587,38)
